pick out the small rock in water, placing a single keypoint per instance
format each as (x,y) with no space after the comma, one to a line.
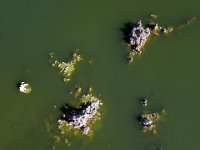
(24,87)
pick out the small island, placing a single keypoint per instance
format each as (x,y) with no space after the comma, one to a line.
(136,34)
(80,118)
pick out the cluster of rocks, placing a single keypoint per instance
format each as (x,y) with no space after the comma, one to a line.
(78,117)
(156,29)
(148,119)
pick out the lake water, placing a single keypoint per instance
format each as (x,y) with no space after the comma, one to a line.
(167,72)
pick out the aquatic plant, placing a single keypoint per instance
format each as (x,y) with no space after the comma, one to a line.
(66,68)
(156,28)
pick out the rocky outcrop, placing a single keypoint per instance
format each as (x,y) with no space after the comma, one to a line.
(78,118)
(138,36)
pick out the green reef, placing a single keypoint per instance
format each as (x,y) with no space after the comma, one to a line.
(66,69)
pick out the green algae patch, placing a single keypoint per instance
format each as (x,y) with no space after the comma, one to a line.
(66,69)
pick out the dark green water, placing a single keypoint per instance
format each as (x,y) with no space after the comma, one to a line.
(167,73)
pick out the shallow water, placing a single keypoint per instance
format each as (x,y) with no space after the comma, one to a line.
(166,73)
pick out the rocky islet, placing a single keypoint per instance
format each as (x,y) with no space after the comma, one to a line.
(136,34)
(80,117)
(148,119)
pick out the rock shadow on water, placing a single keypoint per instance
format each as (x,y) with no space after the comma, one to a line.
(126,30)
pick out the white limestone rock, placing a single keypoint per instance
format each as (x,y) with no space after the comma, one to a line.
(138,36)
(24,87)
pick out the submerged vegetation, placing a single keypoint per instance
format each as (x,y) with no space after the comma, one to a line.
(66,68)
(186,23)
